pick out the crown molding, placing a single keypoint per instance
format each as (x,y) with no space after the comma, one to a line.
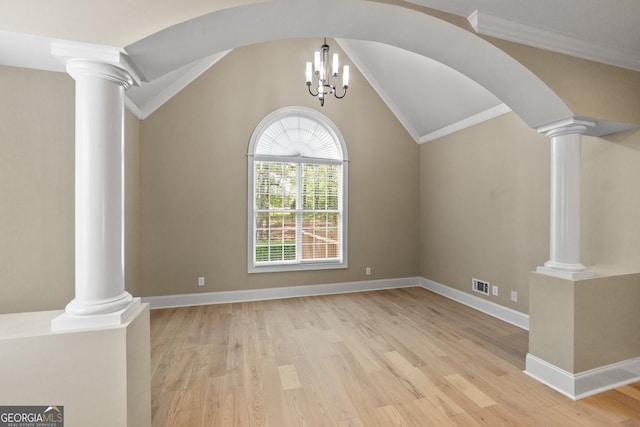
(504,29)
(480,117)
(133,108)
(166,87)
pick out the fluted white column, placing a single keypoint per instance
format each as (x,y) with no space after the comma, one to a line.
(566,140)
(100,296)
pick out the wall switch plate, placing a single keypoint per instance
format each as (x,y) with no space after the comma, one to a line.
(200,281)
(494,291)
(514,296)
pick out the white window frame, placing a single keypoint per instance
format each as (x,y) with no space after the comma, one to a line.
(298,265)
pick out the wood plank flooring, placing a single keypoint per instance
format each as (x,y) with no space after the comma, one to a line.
(402,357)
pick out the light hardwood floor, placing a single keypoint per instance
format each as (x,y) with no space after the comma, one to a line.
(402,357)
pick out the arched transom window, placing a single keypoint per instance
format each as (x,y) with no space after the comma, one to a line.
(297,193)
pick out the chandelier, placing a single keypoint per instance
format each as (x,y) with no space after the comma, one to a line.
(326,82)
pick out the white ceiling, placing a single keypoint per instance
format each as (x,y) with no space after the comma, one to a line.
(425,95)
(602,30)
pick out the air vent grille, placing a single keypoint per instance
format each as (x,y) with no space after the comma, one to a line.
(480,286)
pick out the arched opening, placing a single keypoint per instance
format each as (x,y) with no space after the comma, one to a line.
(516,86)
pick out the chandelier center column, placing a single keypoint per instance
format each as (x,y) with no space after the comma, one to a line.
(100,296)
(566,140)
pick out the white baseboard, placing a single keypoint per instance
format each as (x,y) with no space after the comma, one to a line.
(184,300)
(583,384)
(503,313)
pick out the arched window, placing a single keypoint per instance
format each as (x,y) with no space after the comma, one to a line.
(297,193)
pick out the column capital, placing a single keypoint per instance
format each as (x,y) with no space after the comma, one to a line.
(106,62)
(78,68)
(570,126)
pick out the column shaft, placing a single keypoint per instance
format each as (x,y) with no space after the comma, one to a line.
(99,189)
(565,202)
(100,296)
(564,258)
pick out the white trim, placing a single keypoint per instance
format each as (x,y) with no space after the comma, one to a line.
(172,89)
(505,314)
(575,124)
(184,300)
(68,51)
(298,159)
(473,20)
(480,117)
(563,274)
(133,108)
(278,267)
(225,297)
(307,112)
(583,384)
(505,29)
(68,322)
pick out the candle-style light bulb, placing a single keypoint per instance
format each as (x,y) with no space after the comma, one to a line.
(335,65)
(308,72)
(316,60)
(345,76)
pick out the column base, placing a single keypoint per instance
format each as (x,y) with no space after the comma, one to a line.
(563,274)
(67,321)
(565,271)
(78,307)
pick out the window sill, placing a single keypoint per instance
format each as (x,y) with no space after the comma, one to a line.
(274,268)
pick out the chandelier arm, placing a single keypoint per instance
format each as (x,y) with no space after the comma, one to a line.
(312,94)
(335,93)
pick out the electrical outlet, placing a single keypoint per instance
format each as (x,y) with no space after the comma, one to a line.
(494,291)
(514,296)
(367,271)
(200,281)
(480,286)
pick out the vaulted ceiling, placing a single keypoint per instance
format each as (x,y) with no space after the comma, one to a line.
(599,30)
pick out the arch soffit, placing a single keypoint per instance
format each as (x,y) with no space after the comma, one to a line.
(528,96)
